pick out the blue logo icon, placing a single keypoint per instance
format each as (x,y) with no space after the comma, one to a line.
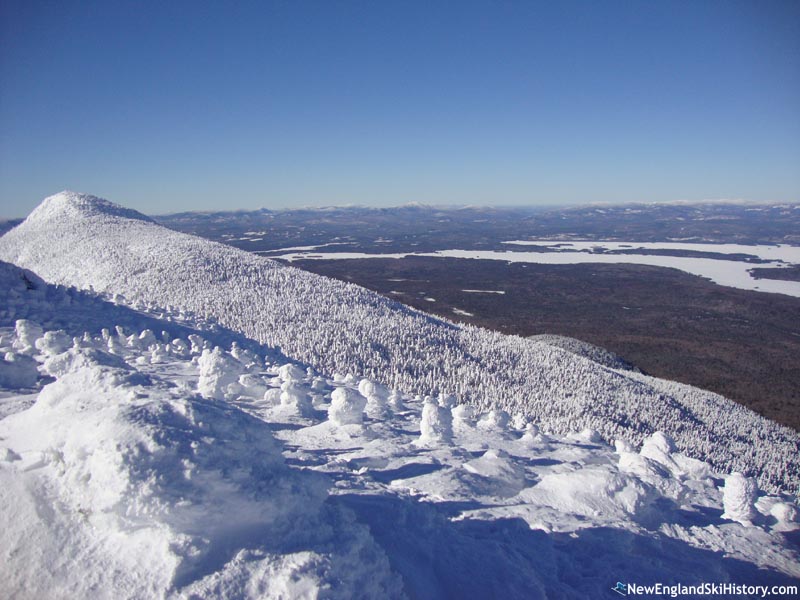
(621,589)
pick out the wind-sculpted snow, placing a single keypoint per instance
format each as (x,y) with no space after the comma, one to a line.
(137,473)
(337,327)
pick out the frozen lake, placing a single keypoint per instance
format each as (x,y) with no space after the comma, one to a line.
(723,271)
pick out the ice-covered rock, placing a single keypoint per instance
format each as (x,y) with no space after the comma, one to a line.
(660,447)
(347,407)
(248,358)
(179,348)
(651,472)
(115,346)
(272,396)
(657,445)
(531,432)
(739,498)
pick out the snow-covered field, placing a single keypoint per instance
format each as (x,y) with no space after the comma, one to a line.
(728,272)
(195,421)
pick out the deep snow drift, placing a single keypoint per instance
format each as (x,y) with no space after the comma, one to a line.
(90,243)
(144,462)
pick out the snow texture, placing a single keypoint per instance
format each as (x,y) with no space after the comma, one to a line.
(120,479)
(335,327)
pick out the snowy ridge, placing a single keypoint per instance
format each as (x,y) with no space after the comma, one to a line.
(338,327)
(161,465)
(585,349)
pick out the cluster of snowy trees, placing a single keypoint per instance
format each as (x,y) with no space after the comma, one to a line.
(337,327)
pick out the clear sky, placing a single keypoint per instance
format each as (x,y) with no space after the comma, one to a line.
(167,106)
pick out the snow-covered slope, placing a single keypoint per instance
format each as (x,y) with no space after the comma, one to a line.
(142,464)
(586,350)
(337,327)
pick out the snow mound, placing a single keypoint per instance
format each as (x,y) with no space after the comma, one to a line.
(593,492)
(347,407)
(147,492)
(122,481)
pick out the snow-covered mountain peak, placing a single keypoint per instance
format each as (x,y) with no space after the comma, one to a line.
(69,204)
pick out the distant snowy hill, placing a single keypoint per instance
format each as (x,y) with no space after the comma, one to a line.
(334,327)
(147,454)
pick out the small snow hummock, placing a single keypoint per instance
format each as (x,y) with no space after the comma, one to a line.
(436,425)
(295,395)
(494,419)
(347,407)
(786,516)
(519,421)
(463,414)
(53,342)
(531,432)
(290,372)
(622,446)
(739,498)
(219,374)
(377,396)
(396,401)
(27,332)
(588,435)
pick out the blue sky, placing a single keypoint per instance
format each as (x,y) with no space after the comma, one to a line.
(167,106)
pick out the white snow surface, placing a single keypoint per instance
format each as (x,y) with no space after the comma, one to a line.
(334,327)
(128,471)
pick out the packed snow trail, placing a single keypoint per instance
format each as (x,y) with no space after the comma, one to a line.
(90,243)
